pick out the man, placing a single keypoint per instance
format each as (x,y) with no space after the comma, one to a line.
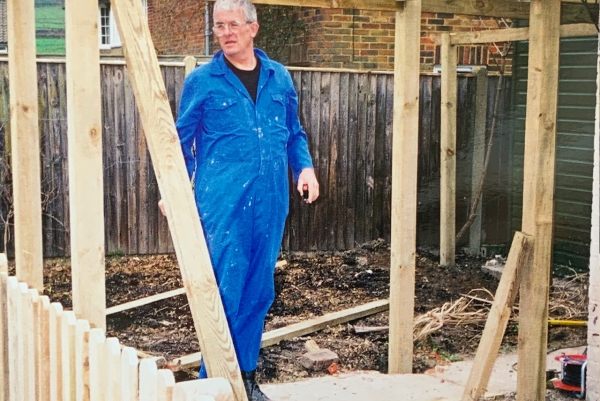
(239,113)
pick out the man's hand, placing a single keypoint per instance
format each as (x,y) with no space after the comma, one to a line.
(307,177)
(161,206)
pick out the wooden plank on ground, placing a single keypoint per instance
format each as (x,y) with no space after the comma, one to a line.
(449,99)
(405,148)
(519,259)
(25,142)
(538,195)
(144,301)
(85,161)
(477,162)
(274,337)
(188,239)
(4,337)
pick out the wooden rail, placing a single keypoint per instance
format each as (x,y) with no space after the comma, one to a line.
(46,353)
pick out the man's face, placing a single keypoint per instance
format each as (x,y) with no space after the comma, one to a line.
(234,33)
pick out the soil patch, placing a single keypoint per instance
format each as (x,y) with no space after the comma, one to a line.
(309,285)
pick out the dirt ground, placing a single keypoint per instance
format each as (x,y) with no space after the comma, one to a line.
(309,285)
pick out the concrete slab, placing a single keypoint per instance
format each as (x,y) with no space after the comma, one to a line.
(440,383)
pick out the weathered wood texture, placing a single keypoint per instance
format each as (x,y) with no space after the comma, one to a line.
(348,117)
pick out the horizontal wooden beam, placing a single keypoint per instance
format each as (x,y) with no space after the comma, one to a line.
(144,301)
(572,11)
(274,337)
(515,34)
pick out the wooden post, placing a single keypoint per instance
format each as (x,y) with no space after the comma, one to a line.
(404,185)
(27,333)
(15,348)
(538,195)
(148,380)
(519,258)
(478,156)
(81,348)
(25,142)
(184,224)
(165,383)
(449,97)
(190,64)
(593,335)
(129,375)
(86,199)
(112,369)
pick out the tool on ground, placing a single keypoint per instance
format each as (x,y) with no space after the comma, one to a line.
(572,376)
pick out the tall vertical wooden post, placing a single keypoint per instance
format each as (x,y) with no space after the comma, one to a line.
(538,195)
(25,139)
(448,153)
(85,161)
(174,184)
(405,149)
(477,163)
(593,367)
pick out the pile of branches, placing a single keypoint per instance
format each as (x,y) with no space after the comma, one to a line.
(568,301)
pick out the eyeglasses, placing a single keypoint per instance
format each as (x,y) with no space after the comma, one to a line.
(234,26)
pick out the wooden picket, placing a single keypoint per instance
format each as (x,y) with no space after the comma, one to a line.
(47,354)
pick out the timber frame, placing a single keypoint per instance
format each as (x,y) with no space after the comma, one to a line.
(531,252)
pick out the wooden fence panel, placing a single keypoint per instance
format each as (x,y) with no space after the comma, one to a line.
(48,354)
(348,117)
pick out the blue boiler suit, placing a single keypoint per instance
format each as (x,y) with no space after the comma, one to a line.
(239,152)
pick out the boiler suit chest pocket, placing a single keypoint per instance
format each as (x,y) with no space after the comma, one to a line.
(223,114)
(278,115)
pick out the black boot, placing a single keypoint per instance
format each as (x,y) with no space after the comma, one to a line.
(254,392)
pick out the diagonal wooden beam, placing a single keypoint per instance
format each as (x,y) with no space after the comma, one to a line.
(519,258)
(174,184)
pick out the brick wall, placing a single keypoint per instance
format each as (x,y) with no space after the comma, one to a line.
(365,39)
(177,30)
(338,38)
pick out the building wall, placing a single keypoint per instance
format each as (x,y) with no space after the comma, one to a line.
(349,38)
(177,30)
(336,38)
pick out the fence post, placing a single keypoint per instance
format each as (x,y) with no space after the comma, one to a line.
(42,314)
(55,367)
(82,331)
(129,375)
(14,353)
(97,387)
(112,369)
(28,299)
(3,337)
(190,63)
(165,384)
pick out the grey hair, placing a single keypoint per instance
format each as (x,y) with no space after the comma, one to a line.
(246,6)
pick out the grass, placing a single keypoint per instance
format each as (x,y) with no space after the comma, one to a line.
(50,17)
(51,20)
(50,46)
